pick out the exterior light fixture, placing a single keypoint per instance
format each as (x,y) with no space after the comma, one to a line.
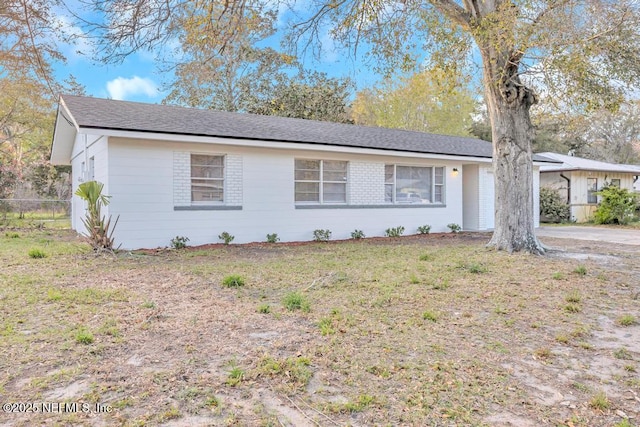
(455,171)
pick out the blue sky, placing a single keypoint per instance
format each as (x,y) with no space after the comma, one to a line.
(138,78)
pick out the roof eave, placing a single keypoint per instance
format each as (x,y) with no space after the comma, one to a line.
(273,143)
(64,136)
(577,169)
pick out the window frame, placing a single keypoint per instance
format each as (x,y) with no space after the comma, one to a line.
(222,180)
(321,181)
(617,184)
(433,183)
(592,197)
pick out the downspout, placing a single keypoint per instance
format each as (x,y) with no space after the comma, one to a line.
(86,159)
(568,188)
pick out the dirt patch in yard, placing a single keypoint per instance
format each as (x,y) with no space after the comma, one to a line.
(423,330)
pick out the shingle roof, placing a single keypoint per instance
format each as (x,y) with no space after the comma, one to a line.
(579,163)
(96,113)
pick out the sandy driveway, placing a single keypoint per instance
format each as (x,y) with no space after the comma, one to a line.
(601,234)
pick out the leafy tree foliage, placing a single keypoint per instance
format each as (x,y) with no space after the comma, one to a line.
(429,101)
(609,136)
(30,33)
(311,96)
(50,182)
(237,74)
(8,178)
(28,40)
(228,76)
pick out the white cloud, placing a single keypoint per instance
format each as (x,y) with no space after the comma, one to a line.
(121,87)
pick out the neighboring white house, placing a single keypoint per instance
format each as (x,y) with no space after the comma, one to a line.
(578,180)
(173,171)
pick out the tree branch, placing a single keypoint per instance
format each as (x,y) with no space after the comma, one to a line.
(454,12)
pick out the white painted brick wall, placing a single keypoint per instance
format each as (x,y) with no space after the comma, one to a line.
(366,183)
(233,180)
(181,178)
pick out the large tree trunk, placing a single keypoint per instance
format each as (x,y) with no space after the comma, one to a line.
(508,103)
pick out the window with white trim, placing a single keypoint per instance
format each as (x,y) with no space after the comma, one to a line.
(320,181)
(207,178)
(414,184)
(592,189)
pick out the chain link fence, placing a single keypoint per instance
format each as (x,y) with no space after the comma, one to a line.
(26,212)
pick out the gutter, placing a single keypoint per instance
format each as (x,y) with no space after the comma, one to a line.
(568,188)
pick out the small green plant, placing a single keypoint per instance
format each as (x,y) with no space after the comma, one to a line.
(83,336)
(357,234)
(626,320)
(264,309)
(440,285)
(326,326)
(476,268)
(572,307)
(321,235)
(629,368)
(212,402)
(624,423)
(273,238)
(170,414)
(581,387)
(235,376)
(37,253)
(500,309)
(573,296)
(455,228)
(394,231)
(426,257)
(623,354)
(580,270)
(424,229)
(294,371)
(226,237)
(562,338)
(233,281)
(361,403)
(430,315)
(179,242)
(542,353)
(296,301)
(149,304)
(599,401)
(557,276)
(12,235)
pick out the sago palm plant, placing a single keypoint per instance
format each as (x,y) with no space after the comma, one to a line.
(99,228)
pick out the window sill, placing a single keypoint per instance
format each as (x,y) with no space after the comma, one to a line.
(207,208)
(385,206)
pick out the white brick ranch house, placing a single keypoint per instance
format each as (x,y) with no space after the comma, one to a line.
(173,171)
